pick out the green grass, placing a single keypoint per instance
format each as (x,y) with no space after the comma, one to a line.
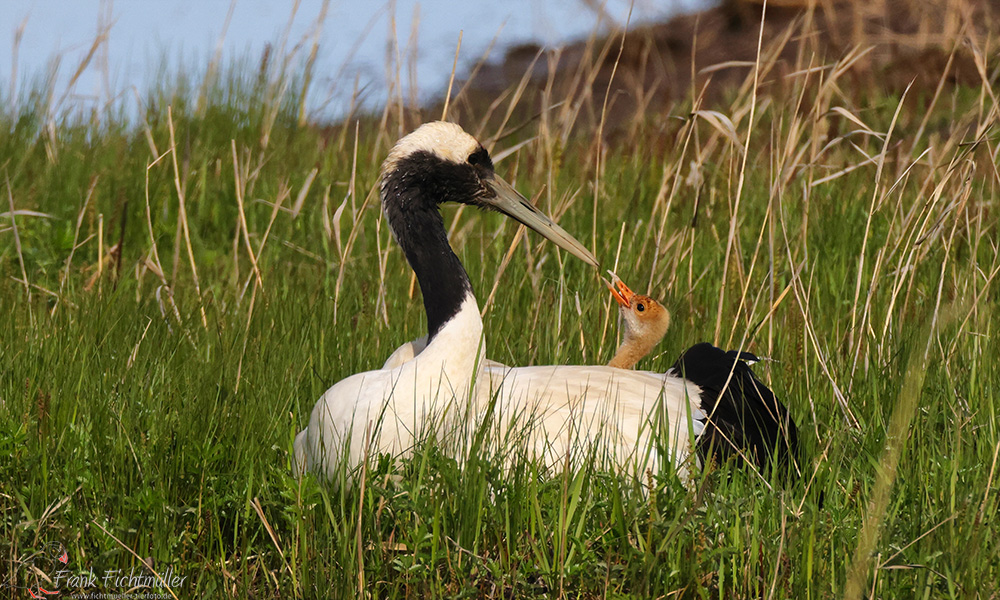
(162,412)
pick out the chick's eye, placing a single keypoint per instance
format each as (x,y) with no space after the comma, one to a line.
(640,307)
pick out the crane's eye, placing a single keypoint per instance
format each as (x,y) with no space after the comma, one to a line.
(640,307)
(481,158)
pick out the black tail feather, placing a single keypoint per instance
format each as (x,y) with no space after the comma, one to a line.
(745,419)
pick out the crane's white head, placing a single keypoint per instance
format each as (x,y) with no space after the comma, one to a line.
(443,140)
(440,162)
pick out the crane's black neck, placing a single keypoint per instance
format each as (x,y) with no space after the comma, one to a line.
(411,207)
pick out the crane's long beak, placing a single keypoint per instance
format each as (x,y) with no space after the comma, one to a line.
(511,203)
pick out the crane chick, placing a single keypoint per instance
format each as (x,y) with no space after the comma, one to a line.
(644,323)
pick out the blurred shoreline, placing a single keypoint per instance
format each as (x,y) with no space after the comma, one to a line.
(695,58)
(702,58)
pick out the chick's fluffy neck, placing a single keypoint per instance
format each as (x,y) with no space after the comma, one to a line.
(632,350)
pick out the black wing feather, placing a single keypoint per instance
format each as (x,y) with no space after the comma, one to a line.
(744,416)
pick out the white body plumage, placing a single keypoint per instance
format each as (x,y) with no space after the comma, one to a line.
(633,421)
(386,410)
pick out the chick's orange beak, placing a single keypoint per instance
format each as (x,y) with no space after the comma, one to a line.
(623,294)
